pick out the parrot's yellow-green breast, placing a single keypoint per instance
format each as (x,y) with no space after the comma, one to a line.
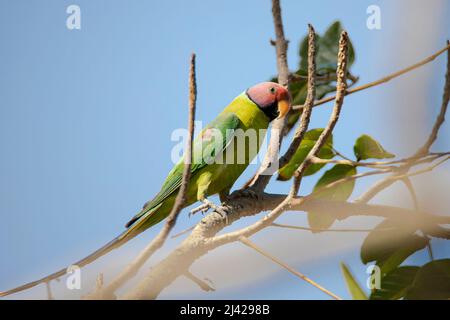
(248,112)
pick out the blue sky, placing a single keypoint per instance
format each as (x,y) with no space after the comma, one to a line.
(86,115)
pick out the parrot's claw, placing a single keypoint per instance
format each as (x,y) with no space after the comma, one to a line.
(219,209)
(202,208)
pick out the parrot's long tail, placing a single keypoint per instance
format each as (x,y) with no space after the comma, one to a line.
(118,241)
(124,237)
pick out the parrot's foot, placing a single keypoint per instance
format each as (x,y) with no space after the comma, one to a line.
(202,208)
(220,210)
(223,211)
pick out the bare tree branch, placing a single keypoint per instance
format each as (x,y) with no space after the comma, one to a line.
(250,244)
(49,291)
(201,283)
(407,182)
(388,181)
(159,240)
(310,97)
(382,164)
(287,226)
(409,185)
(441,117)
(376,165)
(203,238)
(306,114)
(396,176)
(263,175)
(341,86)
(382,80)
(183,232)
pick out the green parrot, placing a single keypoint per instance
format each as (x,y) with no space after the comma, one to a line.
(217,164)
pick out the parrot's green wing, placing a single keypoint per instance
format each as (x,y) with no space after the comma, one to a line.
(211,142)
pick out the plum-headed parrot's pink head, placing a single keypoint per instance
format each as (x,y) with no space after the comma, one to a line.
(273,99)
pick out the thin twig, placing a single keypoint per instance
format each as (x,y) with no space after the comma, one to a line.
(407,182)
(99,282)
(270,162)
(182,232)
(287,226)
(310,97)
(280,44)
(340,154)
(388,181)
(49,291)
(341,86)
(377,165)
(160,239)
(306,114)
(382,80)
(329,76)
(201,283)
(427,169)
(396,176)
(250,244)
(409,185)
(441,117)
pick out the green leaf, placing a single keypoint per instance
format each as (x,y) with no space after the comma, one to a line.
(432,282)
(340,192)
(354,288)
(429,282)
(367,147)
(327,47)
(395,284)
(299,89)
(390,243)
(310,138)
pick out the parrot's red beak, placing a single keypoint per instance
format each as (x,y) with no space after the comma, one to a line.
(284,103)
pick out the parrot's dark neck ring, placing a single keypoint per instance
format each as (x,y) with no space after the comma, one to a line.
(271,111)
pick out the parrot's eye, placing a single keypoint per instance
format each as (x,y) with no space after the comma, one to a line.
(272,90)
